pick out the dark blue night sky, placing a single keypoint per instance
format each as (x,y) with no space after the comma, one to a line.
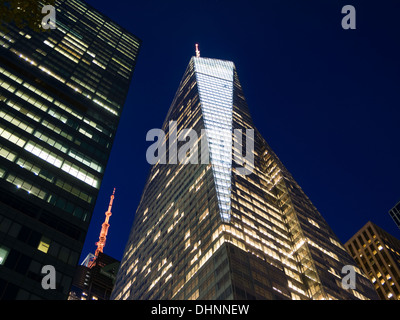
(325,99)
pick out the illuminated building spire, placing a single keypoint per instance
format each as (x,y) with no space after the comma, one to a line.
(104,228)
(197,51)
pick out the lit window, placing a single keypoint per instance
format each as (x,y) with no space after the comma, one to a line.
(44,245)
(3,254)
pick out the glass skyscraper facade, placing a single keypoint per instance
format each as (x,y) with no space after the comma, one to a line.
(62,92)
(212,230)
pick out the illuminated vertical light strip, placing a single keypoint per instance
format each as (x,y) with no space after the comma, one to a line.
(215,83)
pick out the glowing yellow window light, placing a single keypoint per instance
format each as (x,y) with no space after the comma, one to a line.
(44,245)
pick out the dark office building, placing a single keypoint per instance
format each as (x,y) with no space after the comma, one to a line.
(96,282)
(215,224)
(61,94)
(395,214)
(377,253)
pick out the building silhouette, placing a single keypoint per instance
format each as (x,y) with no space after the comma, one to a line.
(213,223)
(96,282)
(62,92)
(377,253)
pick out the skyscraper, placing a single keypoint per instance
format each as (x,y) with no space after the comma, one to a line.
(62,92)
(233,226)
(395,214)
(377,253)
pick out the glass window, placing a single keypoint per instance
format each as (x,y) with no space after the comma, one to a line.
(14,230)
(44,244)
(5,224)
(3,254)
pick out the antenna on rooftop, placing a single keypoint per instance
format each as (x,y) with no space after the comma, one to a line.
(103,233)
(197,51)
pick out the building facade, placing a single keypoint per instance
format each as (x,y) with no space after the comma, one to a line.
(62,92)
(395,214)
(215,224)
(377,253)
(96,282)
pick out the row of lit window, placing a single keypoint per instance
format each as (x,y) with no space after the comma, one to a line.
(43,194)
(11,156)
(56,129)
(54,114)
(106,34)
(30,99)
(50,157)
(197,259)
(259,209)
(176,219)
(44,69)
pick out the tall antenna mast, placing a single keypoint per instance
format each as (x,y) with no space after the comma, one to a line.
(197,51)
(104,228)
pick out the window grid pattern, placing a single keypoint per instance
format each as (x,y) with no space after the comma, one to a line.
(215,85)
(395,214)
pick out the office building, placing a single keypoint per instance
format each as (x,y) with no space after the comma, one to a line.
(220,225)
(96,282)
(62,92)
(377,253)
(395,214)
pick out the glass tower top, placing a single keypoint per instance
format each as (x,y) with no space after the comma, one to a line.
(215,85)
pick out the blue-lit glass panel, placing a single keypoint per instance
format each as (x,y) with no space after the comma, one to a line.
(215,84)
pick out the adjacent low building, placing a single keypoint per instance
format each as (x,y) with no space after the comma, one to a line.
(377,253)
(96,282)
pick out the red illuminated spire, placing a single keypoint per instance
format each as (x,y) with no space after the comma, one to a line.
(104,228)
(197,51)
